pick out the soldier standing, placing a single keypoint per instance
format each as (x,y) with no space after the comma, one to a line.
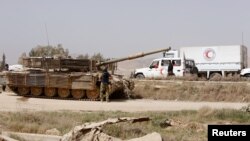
(105,84)
(170,68)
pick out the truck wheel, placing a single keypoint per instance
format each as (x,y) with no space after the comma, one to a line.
(195,71)
(140,76)
(215,77)
(247,75)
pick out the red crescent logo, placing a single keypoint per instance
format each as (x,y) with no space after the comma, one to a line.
(206,53)
(161,71)
(209,54)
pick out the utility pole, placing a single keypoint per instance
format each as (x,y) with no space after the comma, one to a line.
(242,38)
(3,62)
(47,35)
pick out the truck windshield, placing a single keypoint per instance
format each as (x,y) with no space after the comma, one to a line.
(154,64)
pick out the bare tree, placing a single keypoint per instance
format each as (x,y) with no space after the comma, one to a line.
(81,56)
(20,59)
(98,57)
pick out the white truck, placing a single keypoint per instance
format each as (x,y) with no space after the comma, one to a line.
(222,60)
(159,67)
(245,72)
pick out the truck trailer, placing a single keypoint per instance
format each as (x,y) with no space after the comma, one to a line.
(212,60)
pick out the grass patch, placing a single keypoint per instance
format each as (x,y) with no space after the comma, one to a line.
(193,90)
(231,78)
(186,125)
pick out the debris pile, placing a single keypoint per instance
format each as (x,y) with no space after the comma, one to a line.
(246,108)
(53,131)
(93,131)
(86,132)
(198,127)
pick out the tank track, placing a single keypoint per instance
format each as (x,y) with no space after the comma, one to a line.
(56,97)
(118,93)
(59,98)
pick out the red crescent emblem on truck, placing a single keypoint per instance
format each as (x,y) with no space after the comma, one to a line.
(161,71)
(209,54)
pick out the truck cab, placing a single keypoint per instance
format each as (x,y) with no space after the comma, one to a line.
(245,72)
(159,67)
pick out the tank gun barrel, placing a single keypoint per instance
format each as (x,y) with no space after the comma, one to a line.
(132,57)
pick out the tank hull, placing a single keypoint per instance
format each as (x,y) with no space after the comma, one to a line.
(75,85)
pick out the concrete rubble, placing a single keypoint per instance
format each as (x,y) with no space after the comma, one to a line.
(93,132)
(53,131)
(85,132)
(169,122)
(246,108)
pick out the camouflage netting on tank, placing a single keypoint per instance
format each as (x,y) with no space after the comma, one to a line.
(122,85)
(39,79)
(128,87)
(59,63)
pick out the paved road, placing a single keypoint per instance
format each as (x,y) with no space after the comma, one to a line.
(11,102)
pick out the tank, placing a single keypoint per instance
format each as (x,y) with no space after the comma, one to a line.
(67,78)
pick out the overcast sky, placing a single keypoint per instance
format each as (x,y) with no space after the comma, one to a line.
(117,28)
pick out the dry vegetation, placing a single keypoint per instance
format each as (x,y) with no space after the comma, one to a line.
(216,77)
(193,90)
(185,125)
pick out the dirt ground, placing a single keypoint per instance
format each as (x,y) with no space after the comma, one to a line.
(11,102)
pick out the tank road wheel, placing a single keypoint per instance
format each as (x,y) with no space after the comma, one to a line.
(36,91)
(23,90)
(92,94)
(78,94)
(63,92)
(50,92)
